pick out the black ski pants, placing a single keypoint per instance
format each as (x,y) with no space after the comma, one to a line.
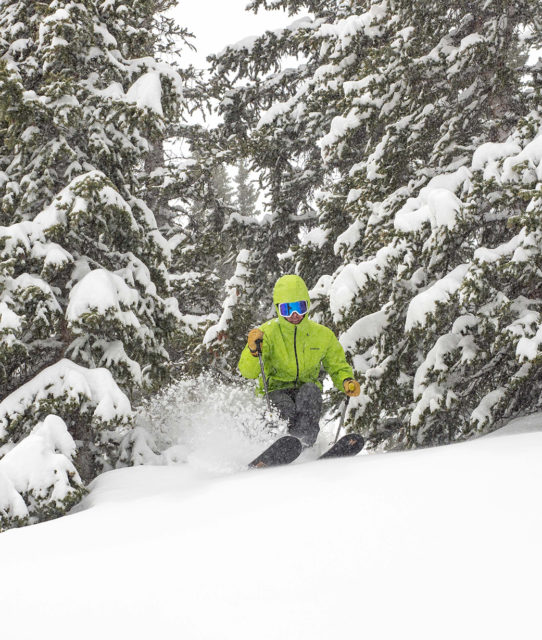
(301,409)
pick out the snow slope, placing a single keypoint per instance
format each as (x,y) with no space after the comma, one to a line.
(440,543)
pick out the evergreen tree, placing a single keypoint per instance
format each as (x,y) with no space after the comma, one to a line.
(213,238)
(203,253)
(83,266)
(482,362)
(246,192)
(222,186)
(382,128)
(448,91)
(258,98)
(225,340)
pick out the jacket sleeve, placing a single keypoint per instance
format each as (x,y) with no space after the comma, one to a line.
(334,362)
(249,365)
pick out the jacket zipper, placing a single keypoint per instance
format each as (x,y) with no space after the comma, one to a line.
(296,360)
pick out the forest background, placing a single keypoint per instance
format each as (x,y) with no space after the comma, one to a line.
(398,159)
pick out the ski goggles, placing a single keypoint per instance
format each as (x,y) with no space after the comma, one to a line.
(287,308)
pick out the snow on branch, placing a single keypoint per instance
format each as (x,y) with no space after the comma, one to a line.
(37,477)
(104,293)
(436,203)
(425,303)
(146,92)
(234,288)
(353,278)
(348,28)
(92,391)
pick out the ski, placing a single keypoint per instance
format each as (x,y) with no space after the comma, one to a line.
(282,451)
(288,448)
(349,445)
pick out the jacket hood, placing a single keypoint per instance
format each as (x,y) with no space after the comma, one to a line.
(290,288)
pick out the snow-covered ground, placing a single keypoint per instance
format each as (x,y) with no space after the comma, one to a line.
(440,543)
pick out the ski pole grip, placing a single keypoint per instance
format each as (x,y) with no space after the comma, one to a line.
(259,343)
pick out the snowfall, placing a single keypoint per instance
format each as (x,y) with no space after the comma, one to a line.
(436,543)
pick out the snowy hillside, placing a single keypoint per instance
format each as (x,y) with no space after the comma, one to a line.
(439,543)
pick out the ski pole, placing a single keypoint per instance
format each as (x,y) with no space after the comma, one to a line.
(264,379)
(341,421)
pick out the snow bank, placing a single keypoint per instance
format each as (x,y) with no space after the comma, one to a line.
(319,550)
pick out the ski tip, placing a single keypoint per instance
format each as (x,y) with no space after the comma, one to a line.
(349,445)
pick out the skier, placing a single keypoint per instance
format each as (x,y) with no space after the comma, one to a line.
(293,348)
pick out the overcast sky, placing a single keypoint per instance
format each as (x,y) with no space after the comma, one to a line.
(217,23)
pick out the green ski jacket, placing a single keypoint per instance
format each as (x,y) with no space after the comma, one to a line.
(293,354)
